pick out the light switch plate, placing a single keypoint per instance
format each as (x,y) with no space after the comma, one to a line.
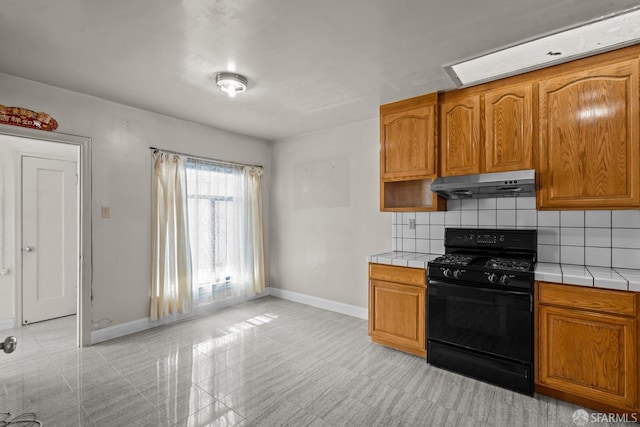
(106,212)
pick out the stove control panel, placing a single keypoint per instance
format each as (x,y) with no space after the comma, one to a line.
(489,239)
(483,239)
(449,273)
(479,238)
(479,276)
(497,278)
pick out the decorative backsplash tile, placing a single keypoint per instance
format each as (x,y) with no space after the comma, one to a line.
(572,255)
(597,219)
(572,218)
(625,258)
(599,257)
(549,219)
(549,253)
(625,219)
(593,238)
(597,237)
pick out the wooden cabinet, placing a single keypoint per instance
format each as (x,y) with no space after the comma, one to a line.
(409,154)
(508,117)
(397,307)
(487,130)
(588,138)
(408,138)
(587,346)
(460,130)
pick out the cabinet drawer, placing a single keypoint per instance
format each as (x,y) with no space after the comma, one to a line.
(391,273)
(578,297)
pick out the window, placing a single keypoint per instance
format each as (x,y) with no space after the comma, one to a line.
(214,193)
(207,239)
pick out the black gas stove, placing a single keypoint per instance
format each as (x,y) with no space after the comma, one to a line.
(480,306)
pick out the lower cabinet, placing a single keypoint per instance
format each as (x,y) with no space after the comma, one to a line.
(397,307)
(587,346)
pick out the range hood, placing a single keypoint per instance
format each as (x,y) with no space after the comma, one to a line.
(501,184)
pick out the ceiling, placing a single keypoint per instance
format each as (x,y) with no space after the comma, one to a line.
(311,65)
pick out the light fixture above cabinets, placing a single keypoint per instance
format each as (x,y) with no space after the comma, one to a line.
(603,34)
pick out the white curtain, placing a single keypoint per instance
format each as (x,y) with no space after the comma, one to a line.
(225,223)
(254,233)
(171,258)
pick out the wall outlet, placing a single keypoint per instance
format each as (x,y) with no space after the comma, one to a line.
(412,224)
(106,212)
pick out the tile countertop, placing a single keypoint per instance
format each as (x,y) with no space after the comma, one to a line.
(598,277)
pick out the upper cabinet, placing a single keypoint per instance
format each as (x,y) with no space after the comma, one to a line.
(409,154)
(508,116)
(408,138)
(487,130)
(588,138)
(460,130)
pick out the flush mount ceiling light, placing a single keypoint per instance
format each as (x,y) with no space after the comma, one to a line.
(606,33)
(231,83)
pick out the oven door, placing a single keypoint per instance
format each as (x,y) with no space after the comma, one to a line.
(494,321)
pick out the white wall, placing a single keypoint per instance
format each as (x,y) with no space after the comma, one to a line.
(121,176)
(325,212)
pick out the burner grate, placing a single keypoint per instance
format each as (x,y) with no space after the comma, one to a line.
(509,264)
(454,259)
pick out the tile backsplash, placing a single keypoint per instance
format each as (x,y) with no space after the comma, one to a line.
(595,238)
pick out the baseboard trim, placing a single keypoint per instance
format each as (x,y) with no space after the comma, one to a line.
(7,324)
(207,309)
(117,331)
(123,329)
(326,304)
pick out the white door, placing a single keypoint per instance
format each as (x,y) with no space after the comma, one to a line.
(49,238)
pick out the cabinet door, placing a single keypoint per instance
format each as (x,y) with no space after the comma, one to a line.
(589,144)
(588,354)
(408,143)
(508,138)
(396,316)
(460,136)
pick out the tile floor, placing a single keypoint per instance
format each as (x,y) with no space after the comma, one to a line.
(268,362)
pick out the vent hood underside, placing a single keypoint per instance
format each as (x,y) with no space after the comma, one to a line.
(500,184)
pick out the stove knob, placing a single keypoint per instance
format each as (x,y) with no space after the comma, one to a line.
(492,278)
(505,279)
(457,274)
(446,272)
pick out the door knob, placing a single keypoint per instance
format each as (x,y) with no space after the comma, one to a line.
(9,344)
(29,249)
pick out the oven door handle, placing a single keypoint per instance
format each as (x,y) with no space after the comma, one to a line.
(491,290)
(432,286)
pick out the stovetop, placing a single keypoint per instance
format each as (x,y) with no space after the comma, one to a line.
(454,259)
(492,258)
(515,264)
(488,262)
